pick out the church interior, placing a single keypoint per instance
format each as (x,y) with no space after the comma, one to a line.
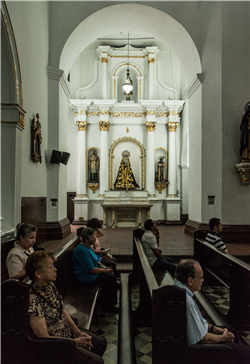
(125,111)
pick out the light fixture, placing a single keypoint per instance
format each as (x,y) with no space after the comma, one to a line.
(128,85)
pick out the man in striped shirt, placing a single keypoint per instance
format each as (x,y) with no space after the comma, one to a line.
(213,237)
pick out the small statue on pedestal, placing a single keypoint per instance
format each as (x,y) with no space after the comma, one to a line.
(93,167)
(161,169)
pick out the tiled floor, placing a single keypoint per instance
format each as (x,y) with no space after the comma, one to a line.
(108,327)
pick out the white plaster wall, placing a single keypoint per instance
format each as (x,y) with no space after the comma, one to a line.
(62,178)
(72,148)
(83,73)
(195,158)
(141,19)
(33,48)
(167,72)
(211,114)
(236,62)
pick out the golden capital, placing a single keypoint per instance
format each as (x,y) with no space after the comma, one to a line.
(104,125)
(151,60)
(82,112)
(104,60)
(172,126)
(150,125)
(21,119)
(76,114)
(82,125)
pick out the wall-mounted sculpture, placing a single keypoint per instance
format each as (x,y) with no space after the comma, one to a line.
(36,141)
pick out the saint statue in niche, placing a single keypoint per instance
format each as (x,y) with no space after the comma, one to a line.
(245,134)
(125,177)
(93,167)
(161,169)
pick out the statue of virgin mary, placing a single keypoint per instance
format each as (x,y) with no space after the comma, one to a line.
(125,177)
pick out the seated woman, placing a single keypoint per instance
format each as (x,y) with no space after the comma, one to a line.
(48,318)
(23,247)
(85,270)
(102,255)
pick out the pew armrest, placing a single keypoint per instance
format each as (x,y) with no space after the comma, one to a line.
(62,350)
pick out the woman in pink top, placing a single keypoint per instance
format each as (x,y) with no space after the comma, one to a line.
(103,257)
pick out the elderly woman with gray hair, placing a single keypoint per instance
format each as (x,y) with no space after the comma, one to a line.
(48,317)
(86,270)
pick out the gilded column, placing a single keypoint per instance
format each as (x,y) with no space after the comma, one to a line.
(114,85)
(104,61)
(140,88)
(104,165)
(151,78)
(81,157)
(172,162)
(150,126)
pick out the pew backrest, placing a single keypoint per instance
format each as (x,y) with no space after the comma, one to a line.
(231,272)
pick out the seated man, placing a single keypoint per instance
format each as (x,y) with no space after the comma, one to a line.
(212,237)
(150,244)
(189,276)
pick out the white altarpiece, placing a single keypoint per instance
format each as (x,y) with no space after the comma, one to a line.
(143,126)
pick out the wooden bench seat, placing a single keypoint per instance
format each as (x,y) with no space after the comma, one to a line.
(80,302)
(163,306)
(224,269)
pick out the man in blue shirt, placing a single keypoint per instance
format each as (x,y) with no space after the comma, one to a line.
(189,276)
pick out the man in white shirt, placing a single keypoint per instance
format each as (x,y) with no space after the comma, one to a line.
(150,244)
(189,276)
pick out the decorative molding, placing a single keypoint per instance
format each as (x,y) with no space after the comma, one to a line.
(65,85)
(172,126)
(150,125)
(93,186)
(91,84)
(140,89)
(82,112)
(93,113)
(82,125)
(150,112)
(127,64)
(111,159)
(127,130)
(104,125)
(76,114)
(128,114)
(14,53)
(54,73)
(21,121)
(197,81)
(151,60)
(104,112)
(104,60)
(243,169)
(114,88)
(126,56)
(160,186)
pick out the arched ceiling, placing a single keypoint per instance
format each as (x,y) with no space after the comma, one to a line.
(140,20)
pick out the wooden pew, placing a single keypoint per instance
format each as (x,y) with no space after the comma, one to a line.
(17,346)
(163,307)
(79,299)
(229,271)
